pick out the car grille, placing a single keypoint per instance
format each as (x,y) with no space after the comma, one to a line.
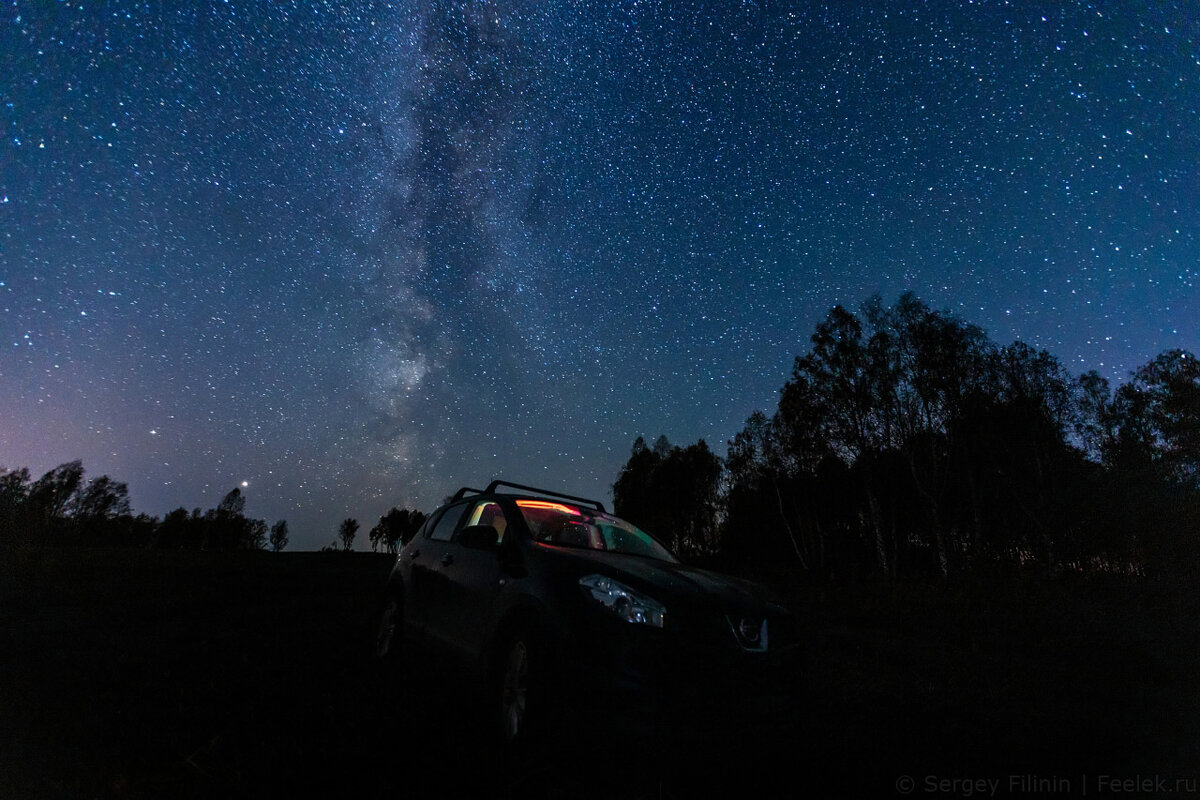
(733,632)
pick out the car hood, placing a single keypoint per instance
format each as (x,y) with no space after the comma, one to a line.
(669,582)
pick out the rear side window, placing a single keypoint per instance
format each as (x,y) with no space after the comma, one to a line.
(489,512)
(445,526)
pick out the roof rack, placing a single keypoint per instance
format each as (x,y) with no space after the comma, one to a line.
(463,491)
(491,488)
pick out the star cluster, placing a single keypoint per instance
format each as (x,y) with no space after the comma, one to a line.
(357,254)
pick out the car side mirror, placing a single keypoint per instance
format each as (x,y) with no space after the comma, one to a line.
(479,537)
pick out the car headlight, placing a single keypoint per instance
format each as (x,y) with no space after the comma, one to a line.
(623,601)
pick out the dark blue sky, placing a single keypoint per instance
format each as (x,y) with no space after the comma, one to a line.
(358,254)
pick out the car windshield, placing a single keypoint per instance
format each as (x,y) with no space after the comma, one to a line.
(570,526)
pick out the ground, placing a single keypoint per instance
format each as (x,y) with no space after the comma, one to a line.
(172,674)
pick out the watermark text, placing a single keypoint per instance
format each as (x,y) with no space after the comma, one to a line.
(1080,785)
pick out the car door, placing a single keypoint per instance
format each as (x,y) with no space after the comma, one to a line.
(426,556)
(473,577)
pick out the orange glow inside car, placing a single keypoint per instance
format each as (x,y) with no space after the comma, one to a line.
(546,505)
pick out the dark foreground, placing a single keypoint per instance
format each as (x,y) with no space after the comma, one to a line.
(151,674)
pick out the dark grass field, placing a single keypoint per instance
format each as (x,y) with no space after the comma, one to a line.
(169,674)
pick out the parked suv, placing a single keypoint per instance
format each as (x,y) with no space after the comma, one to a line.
(555,604)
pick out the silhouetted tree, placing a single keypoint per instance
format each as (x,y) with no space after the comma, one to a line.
(377,535)
(100,514)
(14,491)
(14,487)
(1159,417)
(100,499)
(843,386)
(346,532)
(757,524)
(672,492)
(395,528)
(279,535)
(694,474)
(232,504)
(226,527)
(50,495)
(633,492)
(1095,418)
(179,531)
(255,537)
(1154,457)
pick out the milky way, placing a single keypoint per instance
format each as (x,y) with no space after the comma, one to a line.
(359,254)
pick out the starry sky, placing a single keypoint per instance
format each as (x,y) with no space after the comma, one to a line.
(357,254)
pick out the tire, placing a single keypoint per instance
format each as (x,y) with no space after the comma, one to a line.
(514,694)
(523,689)
(389,633)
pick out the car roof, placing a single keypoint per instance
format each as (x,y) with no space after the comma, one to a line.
(496,484)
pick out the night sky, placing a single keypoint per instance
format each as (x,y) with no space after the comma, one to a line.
(358,254)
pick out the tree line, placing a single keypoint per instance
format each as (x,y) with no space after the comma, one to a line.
(62,507)
(393,530)
(907,442)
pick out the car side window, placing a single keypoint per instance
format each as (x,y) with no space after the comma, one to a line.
(444,528)
(489,512)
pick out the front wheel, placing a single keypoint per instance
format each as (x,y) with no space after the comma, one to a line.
(515,690)
(389,633)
